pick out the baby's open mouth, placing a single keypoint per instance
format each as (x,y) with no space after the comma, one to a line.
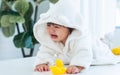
(53,36)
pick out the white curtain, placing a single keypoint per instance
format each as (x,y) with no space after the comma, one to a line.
(102,16)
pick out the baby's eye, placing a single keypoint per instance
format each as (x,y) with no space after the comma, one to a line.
(57,26)
(49,24)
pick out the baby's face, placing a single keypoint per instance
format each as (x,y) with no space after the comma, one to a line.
(57,32)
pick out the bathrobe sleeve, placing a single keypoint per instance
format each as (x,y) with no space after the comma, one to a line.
(82,52)
(45,55)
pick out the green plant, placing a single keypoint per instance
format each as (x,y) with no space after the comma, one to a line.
(14,13)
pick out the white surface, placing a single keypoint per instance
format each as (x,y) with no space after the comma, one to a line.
(24,66)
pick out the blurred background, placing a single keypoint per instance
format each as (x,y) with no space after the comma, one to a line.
(16,36)
(17,18)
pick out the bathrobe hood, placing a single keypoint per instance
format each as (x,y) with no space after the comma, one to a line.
(64,14)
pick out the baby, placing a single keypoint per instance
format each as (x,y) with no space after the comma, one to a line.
(62,32)
(68,49)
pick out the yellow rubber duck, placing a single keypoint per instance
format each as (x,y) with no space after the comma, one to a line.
(58,68)
(116,50)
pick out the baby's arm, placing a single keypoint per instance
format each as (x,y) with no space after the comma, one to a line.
(44,57)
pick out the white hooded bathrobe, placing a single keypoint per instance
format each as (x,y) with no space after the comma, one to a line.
(80,49)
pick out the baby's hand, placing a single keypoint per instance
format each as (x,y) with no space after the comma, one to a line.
(74,69)
(42,68)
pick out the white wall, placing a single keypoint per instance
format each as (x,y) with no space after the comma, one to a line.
(7,48)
